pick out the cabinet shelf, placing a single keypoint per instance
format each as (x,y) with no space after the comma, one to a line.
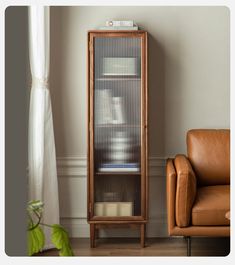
(121,78)
(117,126)
(112,173)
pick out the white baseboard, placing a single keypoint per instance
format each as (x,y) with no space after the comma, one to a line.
(76,227)
(80,228)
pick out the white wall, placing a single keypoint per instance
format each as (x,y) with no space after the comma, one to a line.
(188,87)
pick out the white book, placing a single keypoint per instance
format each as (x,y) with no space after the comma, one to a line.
(116,66)
(103,106)
(118,116)
(119,23)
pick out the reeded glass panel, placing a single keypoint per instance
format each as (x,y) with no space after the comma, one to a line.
(117,117)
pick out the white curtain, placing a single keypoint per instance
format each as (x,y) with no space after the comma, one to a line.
(43,183)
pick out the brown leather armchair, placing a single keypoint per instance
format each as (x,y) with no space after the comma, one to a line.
(198,186)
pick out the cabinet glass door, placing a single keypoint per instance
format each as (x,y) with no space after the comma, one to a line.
(117,126)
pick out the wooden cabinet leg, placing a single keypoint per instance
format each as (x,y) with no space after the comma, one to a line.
(142,235)
(97,233)
(92,235)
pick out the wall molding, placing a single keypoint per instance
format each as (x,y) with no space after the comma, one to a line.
(78,227)
(157,166)
(71,166)
(77,166)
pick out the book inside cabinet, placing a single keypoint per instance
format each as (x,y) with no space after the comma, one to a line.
(117,130)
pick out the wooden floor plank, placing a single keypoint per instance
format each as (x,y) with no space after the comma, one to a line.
(175,246)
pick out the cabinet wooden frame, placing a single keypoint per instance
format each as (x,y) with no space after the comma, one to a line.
(142,219)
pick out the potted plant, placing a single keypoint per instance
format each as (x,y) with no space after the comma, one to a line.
(36,237)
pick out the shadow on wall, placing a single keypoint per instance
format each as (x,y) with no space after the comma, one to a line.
(57,74)
(156,75)
(58,61)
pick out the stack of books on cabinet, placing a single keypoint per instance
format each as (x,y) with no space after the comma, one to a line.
(108,109)
(119,25)
(122,167)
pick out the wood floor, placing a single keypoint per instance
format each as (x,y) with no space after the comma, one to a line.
(154,247)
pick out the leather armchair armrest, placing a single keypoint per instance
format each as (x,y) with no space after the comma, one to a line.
(186,188)
(170,192)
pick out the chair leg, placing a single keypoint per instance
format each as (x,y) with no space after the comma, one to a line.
(188,238)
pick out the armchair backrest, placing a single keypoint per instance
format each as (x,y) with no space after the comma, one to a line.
(209,154)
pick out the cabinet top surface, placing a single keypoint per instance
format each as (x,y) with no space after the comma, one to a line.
(116,31)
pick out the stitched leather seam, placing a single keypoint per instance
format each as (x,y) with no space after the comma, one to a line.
(219,210)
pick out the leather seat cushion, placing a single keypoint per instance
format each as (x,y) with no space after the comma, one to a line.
(211,205)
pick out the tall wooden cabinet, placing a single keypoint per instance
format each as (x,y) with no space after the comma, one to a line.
(117,131)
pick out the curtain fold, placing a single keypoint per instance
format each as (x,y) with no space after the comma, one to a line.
(43,184)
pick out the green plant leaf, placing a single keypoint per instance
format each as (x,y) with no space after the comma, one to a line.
(60,239)
(36,240)
(35,205)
